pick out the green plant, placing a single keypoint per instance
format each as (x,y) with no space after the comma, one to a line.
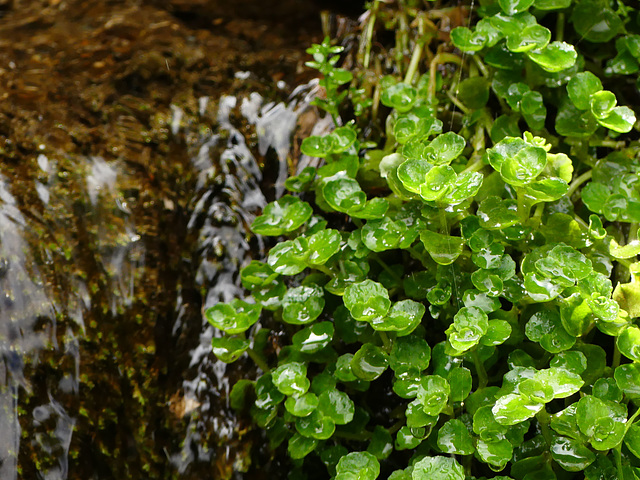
(481,283)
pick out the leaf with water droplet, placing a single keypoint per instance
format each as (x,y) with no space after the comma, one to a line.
(381,443)
(595,21)
(620,119)
(317,146)
(628,343)
(267,395)
(336,405)
(343,193)
(601,421)
(300,446)
(433,394)
(495,452)
(628,379)
(399,96)
(367,300)
(437,468)
(409,352)
(229,349)
(496,213)
(467,40)
(602,103)
(454,438)
(555,57)
(468,327)
(369,362)
(282,216)
(291,378)
(403,316)
(303,304)
(301,406)
(515,408)
(445,148)
(437,182)
(313,338)
(444,249)
(632,439)
(287,258)
(571,454)
(358,465)
(412,173)
(524,166)
(530,38)
(582,87)
(323,245)
(234,317)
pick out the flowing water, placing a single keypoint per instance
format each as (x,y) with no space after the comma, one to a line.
(117,227)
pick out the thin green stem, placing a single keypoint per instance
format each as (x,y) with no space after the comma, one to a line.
(259,360)
(633,232)
(386,342)
(368,36)
(617,455)
(440,58)
(415,61)
(543,420)
(482,373)
(560,27)
(615,362)
(579,181)
(523,211)
(326,270)
(481,66)
(458,103)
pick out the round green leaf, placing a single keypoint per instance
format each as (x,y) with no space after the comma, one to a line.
(291,378)
(403,316)
(409,352)
(433,394)
(381,443)
(313,338)
(399,96)
(267,395)
(445,148)
(322,246)
(443,249)
(235,317)
(495,452)
(282,216)
(437,468)
(412,173)
(317,146)
(498,332)
(555,57)
(467,40)
(513,408)
(469,325)
(336,405)
(316,426)
(572,455)
(454,437)
(343,138)
(367,300)
(620,119)
(632,439)
(460,382)
(595,21)
(496,213)
(369,362)
(628,343)
(602,103)
(628,379)
(532,37)
(300,446)
(303,405)
(437,182)
(524,166)
(343,194)
(358,466)
(303,304)
(286,258)
(581,87)
(228,349)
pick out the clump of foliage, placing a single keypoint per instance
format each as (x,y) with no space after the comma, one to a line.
(461,295)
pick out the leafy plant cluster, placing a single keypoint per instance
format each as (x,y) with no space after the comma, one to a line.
(460,296)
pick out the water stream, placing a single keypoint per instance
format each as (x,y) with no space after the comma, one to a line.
(100,278)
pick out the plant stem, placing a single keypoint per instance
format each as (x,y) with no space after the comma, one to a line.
(579,181)
(482,373)
(415,61)
(481,66)
(560,27)
(387,269)
(258,360)
(543,420)
(368,36)
(385,341)
(633,232)
(440,58)
(615,362)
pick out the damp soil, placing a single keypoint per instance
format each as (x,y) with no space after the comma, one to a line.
(104,105)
